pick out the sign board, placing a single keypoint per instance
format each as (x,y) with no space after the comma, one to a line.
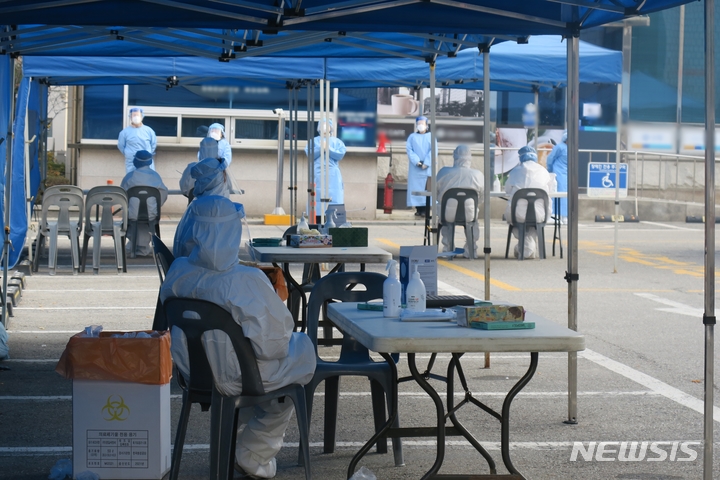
(601,179)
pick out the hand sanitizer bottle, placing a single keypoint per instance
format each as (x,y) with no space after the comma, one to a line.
(415,292)
(302,224)
(391,292)
(496,184)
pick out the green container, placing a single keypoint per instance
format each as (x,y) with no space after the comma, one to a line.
(349,237)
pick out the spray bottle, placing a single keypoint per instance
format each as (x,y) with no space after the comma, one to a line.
(391,291)
(415,292)
(302,224)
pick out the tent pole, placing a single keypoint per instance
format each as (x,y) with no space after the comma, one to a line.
(571,276)
(296,96)
(536,93)
(618,123)
(486,167)
(280,162)
(709,314)
(433,160)
(291,151)
(26,143)
(8,184)
(311,152)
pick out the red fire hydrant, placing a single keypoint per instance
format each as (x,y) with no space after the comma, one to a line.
(388,193)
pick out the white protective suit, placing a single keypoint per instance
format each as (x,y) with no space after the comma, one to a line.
(460,175)
(221,148)
(143,176)
(209,182)
(212,273)
(336,151)
(529,174)
(419,164)
(136,137)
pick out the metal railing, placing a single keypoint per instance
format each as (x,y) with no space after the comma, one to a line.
(653,175)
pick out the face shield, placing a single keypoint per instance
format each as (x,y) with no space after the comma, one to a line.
(421,124)
(325,126)
(216,131)
(136,116)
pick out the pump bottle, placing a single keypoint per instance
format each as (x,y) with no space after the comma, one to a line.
(391,292)
(496,184)
(415,292)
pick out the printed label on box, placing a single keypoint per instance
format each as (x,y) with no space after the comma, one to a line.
(117,448)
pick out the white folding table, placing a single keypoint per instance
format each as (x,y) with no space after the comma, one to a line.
(386,335)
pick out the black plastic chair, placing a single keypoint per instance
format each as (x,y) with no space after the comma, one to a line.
(532,195)
(354,358)
(224,409)
(460,195)
(143,193)
(163,259)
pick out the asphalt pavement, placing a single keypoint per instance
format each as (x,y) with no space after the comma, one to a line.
(640,378)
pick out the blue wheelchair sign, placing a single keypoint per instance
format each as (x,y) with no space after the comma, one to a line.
(601,179)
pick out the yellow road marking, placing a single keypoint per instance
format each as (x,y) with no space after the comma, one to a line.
(463,270)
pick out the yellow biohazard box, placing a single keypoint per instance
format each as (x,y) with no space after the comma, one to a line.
(121,430)
(121,404)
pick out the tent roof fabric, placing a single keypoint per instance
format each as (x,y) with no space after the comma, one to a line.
(540,64)
(521,17)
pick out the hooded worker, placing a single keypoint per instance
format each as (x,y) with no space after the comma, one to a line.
(211,272)
(210,181)
(136,137)
(557,163)
(215,145)
(527,174)
(336,151)
(460,175)
(142,176)
(419,164)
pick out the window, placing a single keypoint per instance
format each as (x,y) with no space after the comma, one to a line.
(103,112)
(197,126)
(163,126)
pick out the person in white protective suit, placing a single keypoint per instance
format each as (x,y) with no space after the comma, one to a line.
(419,164)
(136,137)
(213,145)
(460,175)
(143,176)
(221,149)
(210,180)
(557,163)
(212,273)
(336,152)
(528,174)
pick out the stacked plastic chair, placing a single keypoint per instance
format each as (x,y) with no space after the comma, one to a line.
(99,203)
(67,202)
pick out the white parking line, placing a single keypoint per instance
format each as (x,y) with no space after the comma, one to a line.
(652,383)
(677,307)
(675,227)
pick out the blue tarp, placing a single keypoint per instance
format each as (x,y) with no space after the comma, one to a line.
(6,89)
(18,216)
(541,63)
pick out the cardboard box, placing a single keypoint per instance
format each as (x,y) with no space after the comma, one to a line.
(425,257)
(349,237)
(470,316)
(121,430)
(310,241)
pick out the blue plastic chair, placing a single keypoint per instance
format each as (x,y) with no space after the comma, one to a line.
(354,358)
(224,409)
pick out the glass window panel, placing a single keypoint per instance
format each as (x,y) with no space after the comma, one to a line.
(654,71)
(163,126)
(102,112)
(197,127)
(248,129)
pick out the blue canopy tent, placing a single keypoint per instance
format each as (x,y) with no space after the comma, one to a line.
(244,19)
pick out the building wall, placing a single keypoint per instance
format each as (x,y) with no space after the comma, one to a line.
(254,171)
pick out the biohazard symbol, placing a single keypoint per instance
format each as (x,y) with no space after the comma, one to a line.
(116,409)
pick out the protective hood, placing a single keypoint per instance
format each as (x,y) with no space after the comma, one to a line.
(216,232)
(143,158)
(527,154)
(209,178)
(564,137)
(462,157)
(322,123)
(208,148)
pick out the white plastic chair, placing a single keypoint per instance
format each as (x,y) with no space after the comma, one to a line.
(103,199)
(68,205)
